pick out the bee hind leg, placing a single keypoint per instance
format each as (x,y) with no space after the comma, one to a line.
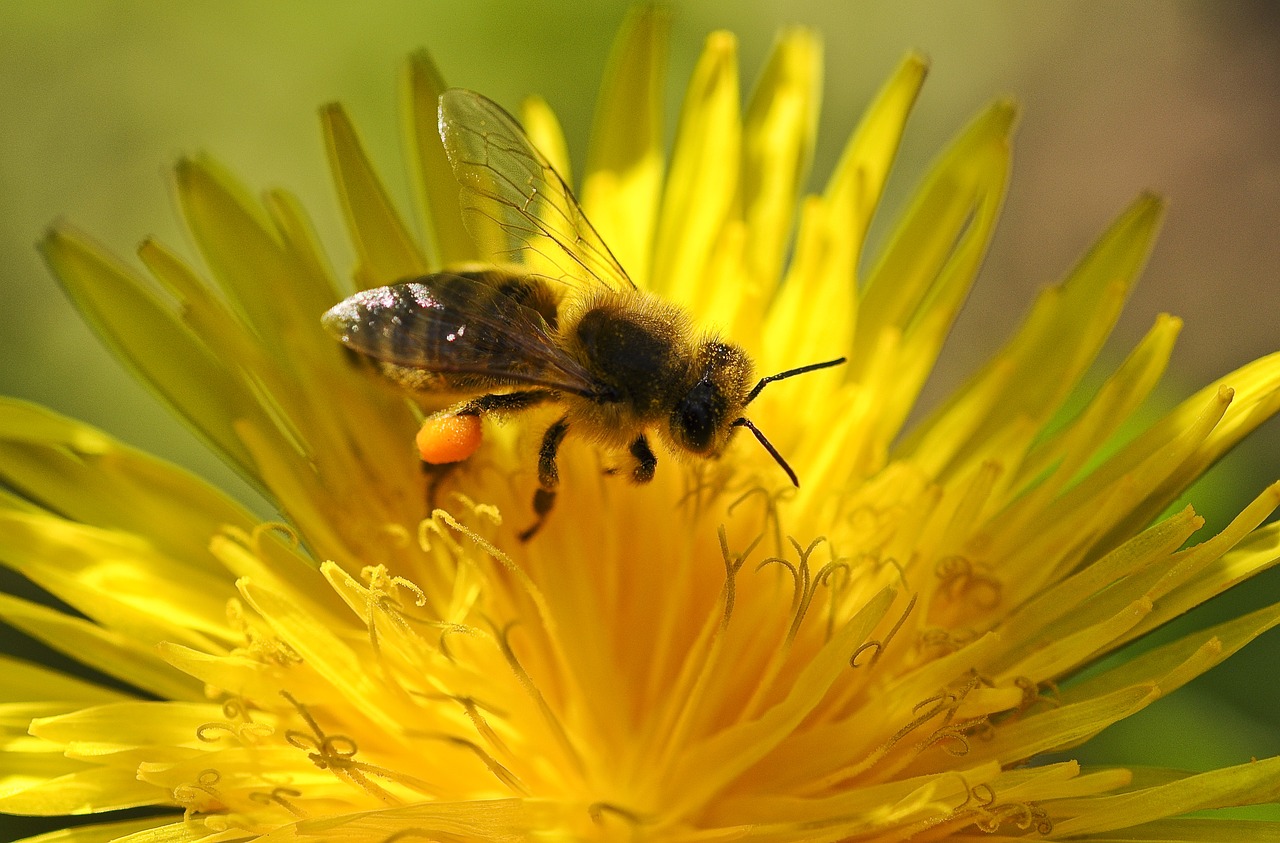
(548,476)
(436,475)
(646,462)
(504,402)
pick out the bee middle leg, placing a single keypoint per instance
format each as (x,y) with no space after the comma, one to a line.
(646,462)
(548,476)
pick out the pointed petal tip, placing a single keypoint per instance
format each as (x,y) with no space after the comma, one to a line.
(1150,202)
(192,169)
(420,59)
(916,61)
(1142,217)
(800,35)
(721,45)
(62,241)
(52,238)
(1003,115)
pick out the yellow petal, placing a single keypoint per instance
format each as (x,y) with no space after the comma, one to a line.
(1246,784)
(702,184)
(1195,830)
(707,767)
(126,725)
(1026,626)
(24,681)
(118,580)
(543,128)
(858,181)
(243,248)
(146,333)
(1245,398)
(149,830)
(1167,665)
(1063,332)
(949,223)
(1063,727)
(1067,450)
(779,132)
(623,178)
(386,250)
(132,662)
(434,186)
(86,791)
(80,473)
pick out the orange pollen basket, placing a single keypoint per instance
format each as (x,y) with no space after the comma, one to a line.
(446,438)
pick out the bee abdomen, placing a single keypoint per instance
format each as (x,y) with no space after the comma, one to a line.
(449,325)
(386,323)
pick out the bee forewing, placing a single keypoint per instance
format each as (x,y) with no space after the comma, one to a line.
(457,325)
(507,181)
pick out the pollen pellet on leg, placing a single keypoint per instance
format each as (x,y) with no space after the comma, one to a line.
(446,438)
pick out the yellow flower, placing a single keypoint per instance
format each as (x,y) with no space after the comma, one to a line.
(892,650)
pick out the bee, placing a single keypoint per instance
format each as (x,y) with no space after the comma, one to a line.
(621,363)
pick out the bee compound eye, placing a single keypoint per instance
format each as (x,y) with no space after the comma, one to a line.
(696,418)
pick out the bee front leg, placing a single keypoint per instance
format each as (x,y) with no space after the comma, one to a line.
(548,476)
(646,462)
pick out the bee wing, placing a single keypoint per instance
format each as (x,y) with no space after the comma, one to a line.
(507,181)
(456,325)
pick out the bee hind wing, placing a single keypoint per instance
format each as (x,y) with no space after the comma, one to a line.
(506,181)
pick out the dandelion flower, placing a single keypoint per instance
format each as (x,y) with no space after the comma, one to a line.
(893,650)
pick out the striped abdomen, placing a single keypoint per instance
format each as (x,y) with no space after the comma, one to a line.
(453,330)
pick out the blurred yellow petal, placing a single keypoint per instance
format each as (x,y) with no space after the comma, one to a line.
(146,333)
(1065,329)
(24,681)
(544,130)
(115,579)
(88,791)
(447,241)
(75,471)
(385,249)
(112,653)
(135,831)
(244,248)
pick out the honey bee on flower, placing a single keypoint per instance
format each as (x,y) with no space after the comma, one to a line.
(620,362)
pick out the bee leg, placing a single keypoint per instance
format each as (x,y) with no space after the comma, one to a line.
(646,462)
(505,402)
(548,476)
(435,476)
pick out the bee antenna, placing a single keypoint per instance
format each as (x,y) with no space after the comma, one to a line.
(768,446)
(789,373)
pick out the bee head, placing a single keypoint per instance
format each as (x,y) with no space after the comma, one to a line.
(700,421)
(705,418)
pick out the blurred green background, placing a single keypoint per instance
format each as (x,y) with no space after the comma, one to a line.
(98,97)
